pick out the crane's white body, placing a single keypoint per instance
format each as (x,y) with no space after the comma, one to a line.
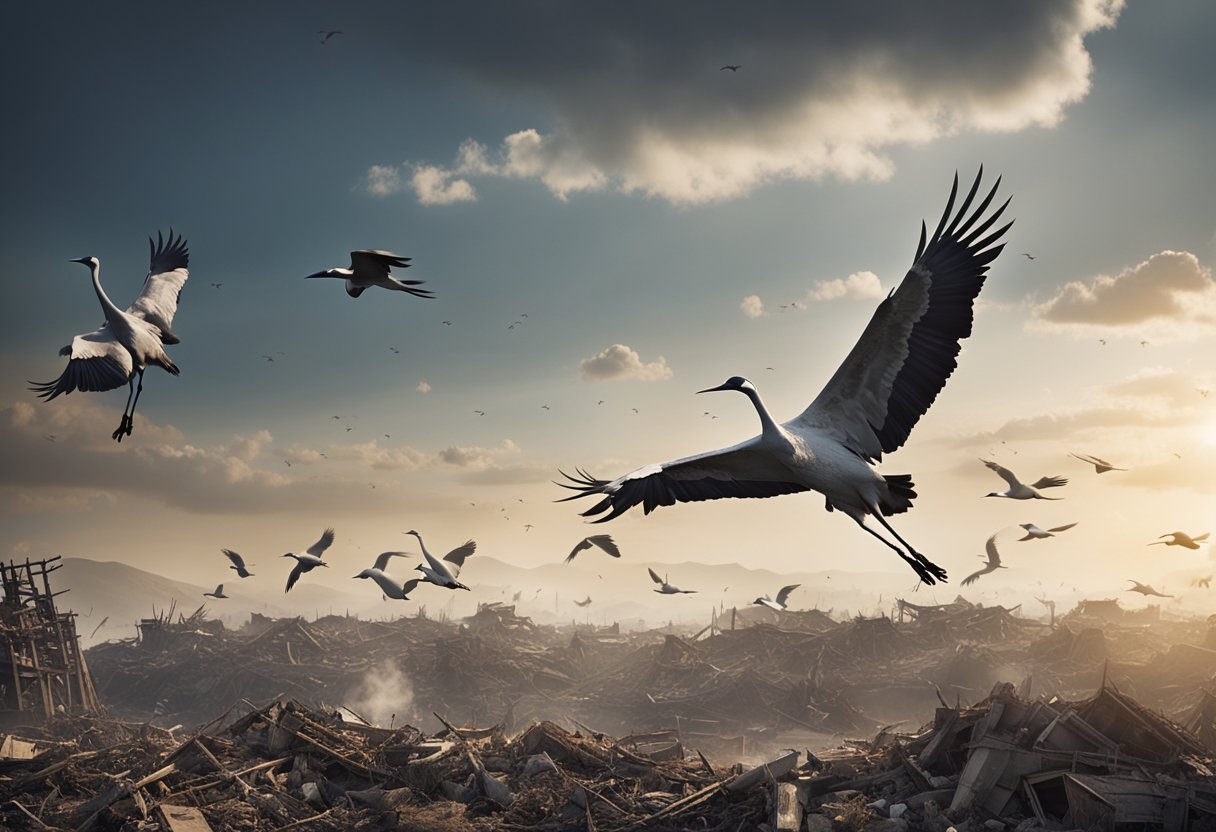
(311,558)
(1033,532)
(779,604)
(370,267)
(666,587)
(444,572)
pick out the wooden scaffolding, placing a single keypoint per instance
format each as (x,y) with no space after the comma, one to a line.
(42,668)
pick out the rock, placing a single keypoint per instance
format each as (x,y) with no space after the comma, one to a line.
(897,810)
(939,782)
(818,823)
(994,825)
(539,763)
(312,794)
(939,797)
(878,805)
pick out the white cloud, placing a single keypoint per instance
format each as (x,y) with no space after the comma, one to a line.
(382,180)
(621,362)
(436,186)
(857,286)
(824,91)
(423,387)
(752,306)
(1171,287)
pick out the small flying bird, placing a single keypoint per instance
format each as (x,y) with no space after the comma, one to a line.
(326,34)
(394,351)
(287,462)
(545,407)
(269,359)
(1033,532)
(480,412)
(1027,255)
(1145,589)
(1204,582)
(446,323)
(527,527)
(780,603)
(50,437)
(369,267)
(444,572)
(665,587)
(1144,344)
(1101,466)
(1181,539)
(732,67)
(604,541)
(391,588)
(584,602)
(1018,491)
(994,562)
(1203,393)
(238,563)
(119,351)
(634,409)
(219,593)
(1102,341)
(601,401)
(216,285)
(310,560)
(516,596)
(869,406)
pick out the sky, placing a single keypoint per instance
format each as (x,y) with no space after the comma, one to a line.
(609,222)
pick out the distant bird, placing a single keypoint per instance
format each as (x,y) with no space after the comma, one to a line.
(480,412)
(994,562)
(287,462)
(310,560)
(118,351)
(732,67)
(1027,255)
(50,437)
(1203,393)
(219,593)
(216,285)
(868,408)
(446,323)
(545,407)
(371,268)
(269,359)
(516,596)
(779,605)
(601,401)
(391,588)
(1204,582)
(1033,532)
(394,351)
(1145,589)
(1101,466)
(665,587)
(604,541)
(326,34)
(527,527)
(1144,343)
(444,572)
(1018,491)
(238,563)
(1102,341)
(1181,539)
(584,602)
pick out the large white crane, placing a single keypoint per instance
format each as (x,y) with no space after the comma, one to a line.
(117,352)
(369,267)
(868,408)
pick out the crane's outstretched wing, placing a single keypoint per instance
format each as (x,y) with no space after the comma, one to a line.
(167,274)
(383,558)
(605,542)
(408,586)
(582,545)
(1049,482)
(318,548)
(785,593)
(457,556)
(96,362)
(219,590)
(911,345)
(738,471)
(296,572)
(654,576)
(993,564)
(1199,538)
(1002,472)
(373,262)
(1062,528)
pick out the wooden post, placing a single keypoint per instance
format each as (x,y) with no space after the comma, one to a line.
(733,610)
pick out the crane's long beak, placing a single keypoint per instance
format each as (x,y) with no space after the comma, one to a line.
(320,274)
(81,260)
(712,389)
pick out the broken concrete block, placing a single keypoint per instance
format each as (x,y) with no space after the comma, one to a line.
(787,810)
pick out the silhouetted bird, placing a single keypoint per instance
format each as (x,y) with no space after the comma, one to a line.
(779,604)
(604,541)
(1033,532)
(1145,589)
(665,587)
(584,602)
(238,563)
(733,67)
(1181,539)
(310,560)
(993,564)
(326,34)
(1101,466)
(219,593)
(369,267)
(1018,491)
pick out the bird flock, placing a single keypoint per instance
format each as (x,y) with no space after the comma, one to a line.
(869,407)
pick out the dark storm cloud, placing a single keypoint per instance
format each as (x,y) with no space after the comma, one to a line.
(635,98)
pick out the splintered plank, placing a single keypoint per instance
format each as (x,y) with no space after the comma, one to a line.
(182,819)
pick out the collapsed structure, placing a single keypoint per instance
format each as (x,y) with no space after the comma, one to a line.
(42,669)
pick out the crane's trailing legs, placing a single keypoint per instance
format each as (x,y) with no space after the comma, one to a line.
(136,386)
(928,571)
